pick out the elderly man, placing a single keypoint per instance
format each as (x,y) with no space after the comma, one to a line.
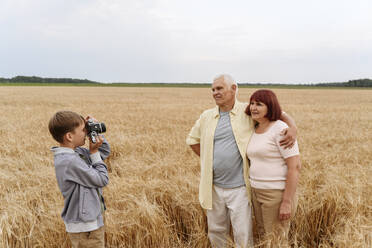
(220,137)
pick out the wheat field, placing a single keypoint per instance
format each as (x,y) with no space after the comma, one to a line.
(152,194)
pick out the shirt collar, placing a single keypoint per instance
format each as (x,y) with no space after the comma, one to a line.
(234,110)
(58,150)
(216,112)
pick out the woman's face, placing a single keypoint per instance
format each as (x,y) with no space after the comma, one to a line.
(258,110)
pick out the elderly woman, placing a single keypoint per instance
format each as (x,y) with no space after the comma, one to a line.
(274,171)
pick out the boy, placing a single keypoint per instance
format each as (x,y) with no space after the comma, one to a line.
(81,174)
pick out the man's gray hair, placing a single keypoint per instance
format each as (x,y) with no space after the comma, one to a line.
(229,80)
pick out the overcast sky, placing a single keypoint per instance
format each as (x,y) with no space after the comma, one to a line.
(277,41)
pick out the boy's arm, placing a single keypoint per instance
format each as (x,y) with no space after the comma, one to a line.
(290,133)
(104,149)
(80,172)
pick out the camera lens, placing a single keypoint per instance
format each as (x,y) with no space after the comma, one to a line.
(103,127)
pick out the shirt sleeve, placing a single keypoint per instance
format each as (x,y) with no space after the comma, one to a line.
(193,137)
(95,157)
(285,152)
(93,176)
(104,149)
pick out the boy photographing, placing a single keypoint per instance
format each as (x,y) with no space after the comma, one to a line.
(81,174)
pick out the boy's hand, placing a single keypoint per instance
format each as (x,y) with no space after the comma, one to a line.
(90,117)
(93,147)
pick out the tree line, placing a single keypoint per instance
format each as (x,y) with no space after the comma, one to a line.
(33,79)
(351,83)
(27,79)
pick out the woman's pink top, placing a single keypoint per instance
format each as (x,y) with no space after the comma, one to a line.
(268,169)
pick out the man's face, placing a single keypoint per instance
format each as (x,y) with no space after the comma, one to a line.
(222,93)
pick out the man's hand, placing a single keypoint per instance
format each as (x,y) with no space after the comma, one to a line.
(290,135)
(93,147)
(285,211)
(196,149)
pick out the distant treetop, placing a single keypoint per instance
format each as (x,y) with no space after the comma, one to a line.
(351,83)
(32,79)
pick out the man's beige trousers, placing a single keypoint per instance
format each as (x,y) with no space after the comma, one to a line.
(230,206)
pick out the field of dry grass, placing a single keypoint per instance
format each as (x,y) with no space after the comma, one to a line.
(152,195)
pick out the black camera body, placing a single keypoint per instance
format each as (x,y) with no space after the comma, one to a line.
(94,128)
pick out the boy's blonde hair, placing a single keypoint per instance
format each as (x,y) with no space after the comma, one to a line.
(63,122)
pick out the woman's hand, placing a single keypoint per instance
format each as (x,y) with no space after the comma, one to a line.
(285,211)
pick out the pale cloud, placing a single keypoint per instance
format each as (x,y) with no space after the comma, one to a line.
(187,41)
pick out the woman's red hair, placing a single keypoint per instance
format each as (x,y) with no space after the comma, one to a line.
(270,100)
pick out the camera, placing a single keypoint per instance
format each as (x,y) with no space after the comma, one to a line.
(94,128)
